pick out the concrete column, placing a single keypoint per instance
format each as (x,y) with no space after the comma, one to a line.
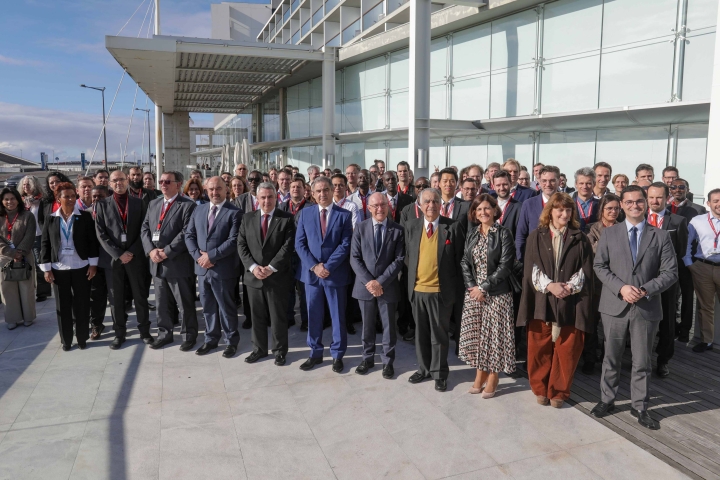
(177,142)
(712,160)
(328,103)
(419,96)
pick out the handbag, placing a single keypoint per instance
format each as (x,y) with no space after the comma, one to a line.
(17,271)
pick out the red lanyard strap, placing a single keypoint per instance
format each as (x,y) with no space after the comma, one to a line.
(123,216)
(580,210)
(294,209)
(10,225)
(502,216)
(717,234)
(164,211)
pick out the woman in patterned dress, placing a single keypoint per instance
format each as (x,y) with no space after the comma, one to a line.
(487,335)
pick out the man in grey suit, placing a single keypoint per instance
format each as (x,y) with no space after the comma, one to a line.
(211,239)
(171,266)
(376,256)
(641,267)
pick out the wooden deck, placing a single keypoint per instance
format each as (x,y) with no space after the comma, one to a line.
(687,404)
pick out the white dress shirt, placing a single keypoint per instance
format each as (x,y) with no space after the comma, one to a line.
(219,206)
(270,217)
(350,206)
(68,259)
(640,227)
(329,212)
(434,224)
(699,229)
(383,230)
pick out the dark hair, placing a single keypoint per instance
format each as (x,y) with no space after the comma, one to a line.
(687,184)
(713,192)
(644,166)
(449,171)
(341,176)
(469,179)
(192,172)
(298,176)
(501,174)
(83,178)
(483,197)
(563,176)
(633,188)
(603,164)
(665,188)
(16,194)
(60,187)
(549,169)
(559,200)
(404,163)
(99,171)
(49,194)
(670,169)
(176,175)
(102,188)
(607,198)
(153,175)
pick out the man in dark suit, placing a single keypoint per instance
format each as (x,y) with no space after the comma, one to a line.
(118,220)
(509,207)
(635,263)
(247,202)
(681,204)
(677,227)
(293,206)
(432,285)
(517,191)
(265,244)
(452,207)
(397,201)
(533,207)
(211,239)
(563,186)
(171,266)
(98,285)
(136,188)
(405,185)
(377,256)
(322,241)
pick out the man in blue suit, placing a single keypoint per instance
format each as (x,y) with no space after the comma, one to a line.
(211,239)
(518,192)
(322,241)
(533,207)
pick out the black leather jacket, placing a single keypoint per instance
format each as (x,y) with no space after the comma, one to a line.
(500,260)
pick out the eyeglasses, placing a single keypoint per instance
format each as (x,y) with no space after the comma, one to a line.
(166,182)
(630,203)
(678,187)
(420,186)
(377,206)
(255,179)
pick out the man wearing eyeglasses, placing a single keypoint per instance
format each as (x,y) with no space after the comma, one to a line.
(241,171)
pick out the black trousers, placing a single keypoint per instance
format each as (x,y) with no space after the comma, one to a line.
(369,310)
(115,277)
(405,313)
(43,288)
(687,292)
(246,304)
(72,301)
(175,298)
(666,343)
(98,298)
(432,323)
(269,307)
(291,302)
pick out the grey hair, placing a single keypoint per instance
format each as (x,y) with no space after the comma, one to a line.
(322,180)
(34,184)
(435,193)
(585,172)
(267,186)
(313,167)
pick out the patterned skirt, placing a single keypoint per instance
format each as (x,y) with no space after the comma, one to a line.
(487,334)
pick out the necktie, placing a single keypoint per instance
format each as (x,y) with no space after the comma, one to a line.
(633,243)
(653,219)
(211,220)
(430,230)
(378,238)
(445,211)
(323,221)
(264,228)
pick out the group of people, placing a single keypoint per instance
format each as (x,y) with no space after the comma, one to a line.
(537,269)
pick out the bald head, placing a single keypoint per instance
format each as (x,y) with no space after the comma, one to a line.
(378,204)
(216,190)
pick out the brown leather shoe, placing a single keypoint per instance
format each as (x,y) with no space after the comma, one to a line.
(96,331)
(542,400)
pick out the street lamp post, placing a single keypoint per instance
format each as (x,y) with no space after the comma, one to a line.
(101,90)
(147,111)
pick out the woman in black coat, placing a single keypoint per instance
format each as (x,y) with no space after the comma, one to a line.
(487,337)
(69,252)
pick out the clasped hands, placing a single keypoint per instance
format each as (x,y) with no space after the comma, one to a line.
(204,260)
(631,294)
(374,287)
(321,271)
(261,273)
(92,270)
(559,289)
(477,294)
(158,255)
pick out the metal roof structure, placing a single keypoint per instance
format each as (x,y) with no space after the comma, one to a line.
(207,76)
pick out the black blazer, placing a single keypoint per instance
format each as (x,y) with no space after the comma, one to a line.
(410,212)
(512,215)
(276,250)
(677,227)
(689,210)
(500,260)
(403,201)
(146,195)
(108,226)
(84,238)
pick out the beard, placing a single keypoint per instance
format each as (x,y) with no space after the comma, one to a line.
(136,185)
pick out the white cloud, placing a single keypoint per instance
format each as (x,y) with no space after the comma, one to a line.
(19,61)
(36,130)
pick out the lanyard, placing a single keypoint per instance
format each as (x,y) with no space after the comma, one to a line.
(405,190)
(502,216)
(67,231)
(364,204)
(294,209)
(340,204)
(417,213)
(255,203)
(81,205)
(10,225)
(542,199)
(139,194)
(512,194)
(392,208)
(673,208)
(163,212)
(124,216)
(580,210)
(717,234)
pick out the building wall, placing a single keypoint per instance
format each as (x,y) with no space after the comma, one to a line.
(238,21)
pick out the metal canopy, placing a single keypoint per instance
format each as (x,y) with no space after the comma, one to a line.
(207,76)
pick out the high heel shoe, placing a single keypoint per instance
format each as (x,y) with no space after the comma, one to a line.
(474,390)
(488,394)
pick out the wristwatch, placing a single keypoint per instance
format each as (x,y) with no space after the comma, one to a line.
(645,292)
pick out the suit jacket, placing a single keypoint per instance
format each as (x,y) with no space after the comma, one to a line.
(449,256)
(410,212)
(689,210)
(108,226)
(524,193)
(567,190)
(511,217)
(83,233)
(244,202)
(410,191)
(402,202)
(179,263)
(677,227)
(655,269)
(275,250)
(333,251)
(146,195)
(385,267)
(285,207)
(528,221)
(22,237)
(593,217)
(460,211)
(220,242)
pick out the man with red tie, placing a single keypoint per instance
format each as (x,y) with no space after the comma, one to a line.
(396,199)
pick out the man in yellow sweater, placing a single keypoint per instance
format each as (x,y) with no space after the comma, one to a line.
(433,259)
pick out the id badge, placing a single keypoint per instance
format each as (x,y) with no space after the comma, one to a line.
(156,237)
(123,237)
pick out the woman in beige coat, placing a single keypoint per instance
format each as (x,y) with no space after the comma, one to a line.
(17,235)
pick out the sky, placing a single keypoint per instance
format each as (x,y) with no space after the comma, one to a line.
(49,47)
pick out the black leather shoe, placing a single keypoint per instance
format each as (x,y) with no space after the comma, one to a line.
(364,367)
(82,345)
(409,336)
(588,368)
(41,298)
(96,332)
(151,307)
(310,363)
(701,347)
(148,340)
(388,371)
(645,419)
(247,324)
(255,356)
(291,322)
(351,329)
(66,348)
(160,342)
(338,365)
(205,349)
(117,343)
(280,359)
(602,409)
(441,385)
(303,327)
(417,377)
(229,351)
(683,337)
(662,370)
(187,345)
